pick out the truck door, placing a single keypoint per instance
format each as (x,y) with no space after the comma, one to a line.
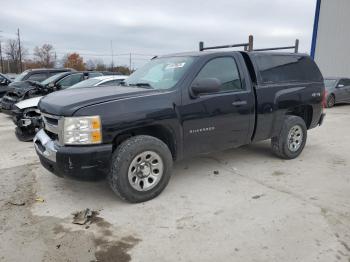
(219,120)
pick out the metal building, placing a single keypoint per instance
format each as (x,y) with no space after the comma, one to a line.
(331,37)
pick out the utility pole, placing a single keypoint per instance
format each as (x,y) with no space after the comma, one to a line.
(20,51)
(130,63)
(1,61)
(112,55)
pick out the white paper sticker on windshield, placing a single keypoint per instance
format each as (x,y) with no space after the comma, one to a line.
(175,65)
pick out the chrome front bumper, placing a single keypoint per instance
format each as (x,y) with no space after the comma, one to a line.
(45,146)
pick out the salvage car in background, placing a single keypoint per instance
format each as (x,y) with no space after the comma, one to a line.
(4,82)
(28,89)
(27,117)
(109,80)
(40,74)
(337,90)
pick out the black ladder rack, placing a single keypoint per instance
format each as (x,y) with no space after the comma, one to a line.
(250,46)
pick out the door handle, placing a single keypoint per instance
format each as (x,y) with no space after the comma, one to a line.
(239,103)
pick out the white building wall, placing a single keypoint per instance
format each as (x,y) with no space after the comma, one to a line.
(332,52)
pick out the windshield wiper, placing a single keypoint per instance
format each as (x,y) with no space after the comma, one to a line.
(145,85)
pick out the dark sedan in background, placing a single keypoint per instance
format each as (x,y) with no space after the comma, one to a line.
(337,90)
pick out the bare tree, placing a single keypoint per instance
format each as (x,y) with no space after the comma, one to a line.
(13,55)
(45,55)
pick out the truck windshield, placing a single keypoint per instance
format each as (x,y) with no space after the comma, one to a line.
(160,73)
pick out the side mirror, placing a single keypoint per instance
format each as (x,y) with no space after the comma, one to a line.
(205,86)
(340,86)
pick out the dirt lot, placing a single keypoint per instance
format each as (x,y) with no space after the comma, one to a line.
(255,208)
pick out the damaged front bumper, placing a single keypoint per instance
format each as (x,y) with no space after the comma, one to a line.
(27,121)
(79,162)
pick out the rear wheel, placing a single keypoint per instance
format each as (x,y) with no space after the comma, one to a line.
(330,101)
(141,168)
(292,139)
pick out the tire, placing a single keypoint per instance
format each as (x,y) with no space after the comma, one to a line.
(23,135)
(126,175)
(330,101)
(288,145)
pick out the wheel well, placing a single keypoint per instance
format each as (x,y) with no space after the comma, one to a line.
(305,112)
(160,132)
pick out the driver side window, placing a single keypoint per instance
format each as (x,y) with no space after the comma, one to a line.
(224,69)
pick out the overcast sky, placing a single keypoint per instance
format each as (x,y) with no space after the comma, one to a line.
(154,27)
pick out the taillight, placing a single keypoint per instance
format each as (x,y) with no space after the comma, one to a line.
(324,99)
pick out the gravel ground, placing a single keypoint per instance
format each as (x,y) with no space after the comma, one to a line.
(236,205)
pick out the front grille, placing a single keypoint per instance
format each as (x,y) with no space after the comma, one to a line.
(51,123)
(52,135)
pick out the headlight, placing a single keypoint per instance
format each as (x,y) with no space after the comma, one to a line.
(82,130)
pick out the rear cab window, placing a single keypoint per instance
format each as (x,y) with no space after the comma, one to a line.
(286,68)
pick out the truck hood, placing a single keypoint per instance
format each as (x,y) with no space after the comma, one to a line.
(66,102)
(28,103)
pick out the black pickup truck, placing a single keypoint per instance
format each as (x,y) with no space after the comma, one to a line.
(175,107)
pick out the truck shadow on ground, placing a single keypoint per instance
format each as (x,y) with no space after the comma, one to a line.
(99,191)
(259,151)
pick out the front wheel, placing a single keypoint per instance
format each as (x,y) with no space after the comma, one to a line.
(141,168)
(292,139)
